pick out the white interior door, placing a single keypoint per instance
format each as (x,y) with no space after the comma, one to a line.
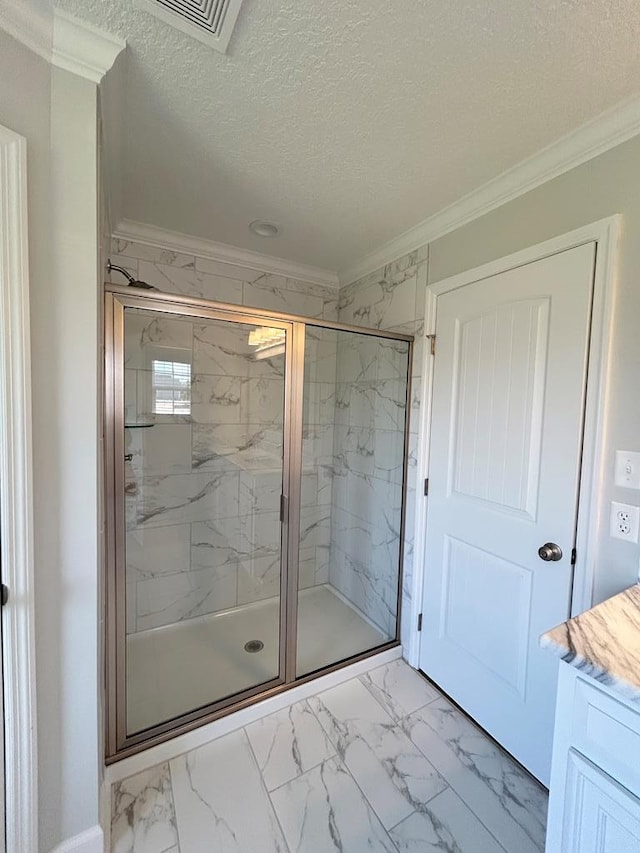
(507,416)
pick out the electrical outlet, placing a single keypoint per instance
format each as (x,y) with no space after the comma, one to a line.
(627,469)
(624,522)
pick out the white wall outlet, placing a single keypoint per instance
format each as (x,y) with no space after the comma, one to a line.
(627,470)
(624,522)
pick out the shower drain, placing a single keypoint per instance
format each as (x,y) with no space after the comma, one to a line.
(254,646)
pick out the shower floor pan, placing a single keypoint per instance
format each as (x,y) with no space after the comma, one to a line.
(181,667)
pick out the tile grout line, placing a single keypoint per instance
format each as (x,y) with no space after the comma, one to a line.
(454,789)
(349,773)
(398,723)
(449,784)
(309,769)
(304,773)
(175,811)
(265,789)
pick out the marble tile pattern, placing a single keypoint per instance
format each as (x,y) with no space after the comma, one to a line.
(143,818)
(219,466)
(391,298)
(203,488)
(176,272)
(382,762)
(368,458)
(604,642)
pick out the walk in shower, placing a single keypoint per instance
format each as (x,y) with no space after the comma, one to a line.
(255,474)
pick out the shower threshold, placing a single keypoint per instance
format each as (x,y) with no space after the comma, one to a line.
(192,663)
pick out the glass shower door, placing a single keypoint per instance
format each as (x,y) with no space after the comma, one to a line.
(353,467)
(203,444)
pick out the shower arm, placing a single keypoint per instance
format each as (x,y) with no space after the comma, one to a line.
(131,280)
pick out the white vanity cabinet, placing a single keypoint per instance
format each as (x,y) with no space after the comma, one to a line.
(594,801)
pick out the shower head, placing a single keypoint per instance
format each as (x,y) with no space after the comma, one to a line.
(132,282)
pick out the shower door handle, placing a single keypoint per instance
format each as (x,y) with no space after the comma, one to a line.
(284,508)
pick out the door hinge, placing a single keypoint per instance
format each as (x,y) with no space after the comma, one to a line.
(4,594)
(432,340)
(420,622)
(574,557)
(284,507)
(426,486)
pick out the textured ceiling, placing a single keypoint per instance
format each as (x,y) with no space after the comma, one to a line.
(349,121)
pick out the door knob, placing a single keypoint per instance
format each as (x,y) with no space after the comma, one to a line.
(550,552)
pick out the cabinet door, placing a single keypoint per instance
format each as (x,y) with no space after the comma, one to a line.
(600,815)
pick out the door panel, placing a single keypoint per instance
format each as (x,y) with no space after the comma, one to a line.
(470,578)
(501,357)
(601,816)
(508,400)
(355,392)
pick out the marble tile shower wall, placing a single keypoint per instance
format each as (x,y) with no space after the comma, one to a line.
(368,464)
(203,529)
(175,272)
(336,457)
(393,299)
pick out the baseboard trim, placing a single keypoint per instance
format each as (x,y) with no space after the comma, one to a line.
(89,841)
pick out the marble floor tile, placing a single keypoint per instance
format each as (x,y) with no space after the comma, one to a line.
(324,810)
(143,818)
(446,825)
(382,762)
(220,800)
(288,743)
(394,776)
(506,799)
(399,688)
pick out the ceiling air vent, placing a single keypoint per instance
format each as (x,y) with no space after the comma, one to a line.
(210,21)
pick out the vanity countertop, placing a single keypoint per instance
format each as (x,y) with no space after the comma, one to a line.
(604,642)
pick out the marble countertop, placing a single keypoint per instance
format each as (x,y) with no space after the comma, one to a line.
(604,642)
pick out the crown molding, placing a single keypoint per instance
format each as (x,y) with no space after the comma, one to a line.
(23,23)
(161,238)
(607,130)
(82,49)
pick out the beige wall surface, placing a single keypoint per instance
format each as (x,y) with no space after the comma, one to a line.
(607,185)
(25,92)
(68,715)
(56,113)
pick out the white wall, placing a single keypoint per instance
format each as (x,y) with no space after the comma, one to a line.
(25,108)
(56,112)
(65,332)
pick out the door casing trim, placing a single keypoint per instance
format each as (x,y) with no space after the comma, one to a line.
(16,502)
(605,233)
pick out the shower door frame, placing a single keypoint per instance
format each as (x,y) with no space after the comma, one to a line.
(117,298)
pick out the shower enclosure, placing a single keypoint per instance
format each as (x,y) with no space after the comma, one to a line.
(255,473)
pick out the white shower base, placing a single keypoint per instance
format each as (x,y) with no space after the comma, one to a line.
(181,667)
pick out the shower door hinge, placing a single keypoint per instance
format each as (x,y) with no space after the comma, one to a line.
(426,486)
(432,340)
(284,507)
(420,622)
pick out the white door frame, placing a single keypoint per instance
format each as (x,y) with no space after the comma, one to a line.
(604,233)
(16,501)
